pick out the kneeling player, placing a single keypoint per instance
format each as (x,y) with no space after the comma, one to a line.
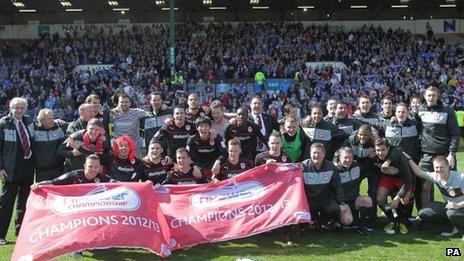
(225,168)
(183,174)
(350,171)
(155,167)
(324,189)
(395,177)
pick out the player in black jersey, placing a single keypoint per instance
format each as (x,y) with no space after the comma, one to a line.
(203,148)
(154,166)
(183,173)
(228,167)
(194,109)
(90,174)
(174,136)
(275,152)
(247,133)
(123,165)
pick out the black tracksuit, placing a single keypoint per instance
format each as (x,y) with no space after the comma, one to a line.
(326,133)
(323,189)
(48,164)
(440,132)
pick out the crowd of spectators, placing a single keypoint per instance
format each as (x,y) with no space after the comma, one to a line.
(380,62)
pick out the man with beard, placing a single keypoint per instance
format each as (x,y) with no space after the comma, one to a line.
(126,121)
(220,122)
(362,144)
(174,136)
(194,110)
(155,118)
(247,133)
(323,132)
(122,164)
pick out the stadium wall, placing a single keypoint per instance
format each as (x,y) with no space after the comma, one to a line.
(33,31)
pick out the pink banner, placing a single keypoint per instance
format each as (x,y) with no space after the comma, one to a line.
(259,200)
(66,219)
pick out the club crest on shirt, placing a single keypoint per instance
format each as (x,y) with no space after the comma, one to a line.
(325,177)
(436,116)
(202,114)
(187,127)
(242,165)
(250,129)
(355,173)
(284,158)
(211,142)
(54,133)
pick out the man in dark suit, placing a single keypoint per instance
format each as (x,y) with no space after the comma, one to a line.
(266,123)
(16,164)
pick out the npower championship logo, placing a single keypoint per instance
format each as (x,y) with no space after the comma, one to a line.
(229,194)
(100,199)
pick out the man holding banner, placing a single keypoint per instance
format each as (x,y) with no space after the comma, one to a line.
(90,174)
(65,219)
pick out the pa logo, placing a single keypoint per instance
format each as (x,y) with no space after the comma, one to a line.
(453,251)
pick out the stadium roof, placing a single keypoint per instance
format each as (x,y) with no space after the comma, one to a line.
(47,6)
